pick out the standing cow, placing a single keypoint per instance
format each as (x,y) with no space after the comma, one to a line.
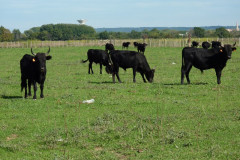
(33,70)
(130,59)
(96,56)
(109,47)
(206,45)
(135,44)
(204,59)
(216,44)
(141,47)
(195,44)
(125,45)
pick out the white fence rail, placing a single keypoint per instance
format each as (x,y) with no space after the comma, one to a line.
(116,42)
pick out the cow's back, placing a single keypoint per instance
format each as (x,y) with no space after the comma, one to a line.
(26,66)
(129,59)
(97,55)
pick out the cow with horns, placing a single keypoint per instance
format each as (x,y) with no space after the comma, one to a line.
(125,45)
(33,70)
(204,59)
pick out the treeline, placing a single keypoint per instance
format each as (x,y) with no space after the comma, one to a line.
(55,32)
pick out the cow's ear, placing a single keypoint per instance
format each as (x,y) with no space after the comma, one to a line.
(48,57)
(34,60)
(234,49)
(153,70)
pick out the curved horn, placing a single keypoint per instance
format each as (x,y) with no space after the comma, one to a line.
(32,52)
(234,44)
(48,51)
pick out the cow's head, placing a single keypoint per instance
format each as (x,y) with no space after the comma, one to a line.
(227,50)
(39,60)
(149,75)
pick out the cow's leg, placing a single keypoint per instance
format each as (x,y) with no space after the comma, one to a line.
(90,68)
(41,87)
(35,90)
(185,71)
(100,68)
(117,74)
(144,80)
(182,74)
(187,74)
(134,75)
(218,73)
(118,78)
(24,85)
(113,77)
(29,88)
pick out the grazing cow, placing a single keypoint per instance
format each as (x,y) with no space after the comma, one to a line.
(216,44)
(125,45)
(195,44)
(109,47)
(130,59)
(96,56)
(141,47)
(135,44)
(206,45)
(33,69)
(204,59)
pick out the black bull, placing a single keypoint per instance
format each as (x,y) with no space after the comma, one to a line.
(204,59)
(130,59)
(33,70)
(96,56)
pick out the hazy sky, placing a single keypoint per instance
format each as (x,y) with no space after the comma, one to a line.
(25,14)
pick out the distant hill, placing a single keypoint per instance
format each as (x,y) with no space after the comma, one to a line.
(139,29)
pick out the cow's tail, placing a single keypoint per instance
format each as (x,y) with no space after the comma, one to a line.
(84,61)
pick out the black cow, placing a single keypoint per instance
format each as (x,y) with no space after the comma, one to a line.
(135,44)
(33,69)
(204,59)
(96,56)
(130,59)
(195,44)
(125,45)
(109,47)
(206,45)
(216,44)
(141,47)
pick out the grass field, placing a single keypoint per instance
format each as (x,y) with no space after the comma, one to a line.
(160,120)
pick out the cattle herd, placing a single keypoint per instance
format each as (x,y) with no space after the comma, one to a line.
(33,68)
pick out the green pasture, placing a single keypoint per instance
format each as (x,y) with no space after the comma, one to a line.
(159,120)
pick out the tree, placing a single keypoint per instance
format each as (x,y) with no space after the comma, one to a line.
(104,35)
(16,35)
(44,35)
(222,32)
(198,32)
(154,33)
(5,34)
(134,34)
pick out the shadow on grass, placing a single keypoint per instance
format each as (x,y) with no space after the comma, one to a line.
(179,84)
(10,97)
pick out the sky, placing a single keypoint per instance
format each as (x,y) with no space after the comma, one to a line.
(25,14)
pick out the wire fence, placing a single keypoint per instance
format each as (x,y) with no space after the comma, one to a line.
(117,42)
